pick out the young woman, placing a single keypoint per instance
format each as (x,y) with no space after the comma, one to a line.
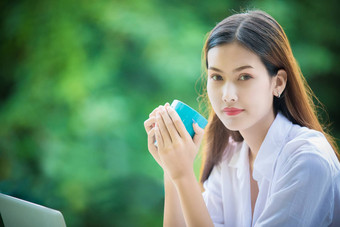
(268,161)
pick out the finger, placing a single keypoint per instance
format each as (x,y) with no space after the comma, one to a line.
(153,113)
(199,132)
(159,138)
(151,138)
(182,131)
(173,133)
(152,147)
(163,129)
(149,124)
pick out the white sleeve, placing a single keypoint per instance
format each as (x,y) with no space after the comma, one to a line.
(301,194)
(212,196)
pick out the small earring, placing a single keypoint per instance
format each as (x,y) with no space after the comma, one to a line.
(278,95)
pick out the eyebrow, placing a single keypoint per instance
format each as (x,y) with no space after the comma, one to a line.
(235,70)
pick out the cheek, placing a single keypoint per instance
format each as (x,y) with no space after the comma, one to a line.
(212,93)
(260,95)
(210,97)
(261,89)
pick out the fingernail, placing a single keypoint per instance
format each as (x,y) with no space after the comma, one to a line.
(194,121)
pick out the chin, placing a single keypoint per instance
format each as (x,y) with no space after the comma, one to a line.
(233,125)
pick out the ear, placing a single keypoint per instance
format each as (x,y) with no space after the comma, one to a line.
(280,81)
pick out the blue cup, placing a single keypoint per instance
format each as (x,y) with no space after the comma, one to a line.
(188,116)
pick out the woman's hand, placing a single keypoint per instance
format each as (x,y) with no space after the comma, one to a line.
(176,149)
(149,126)
(175,153)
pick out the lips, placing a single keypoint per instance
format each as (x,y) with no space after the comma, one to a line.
(231,111)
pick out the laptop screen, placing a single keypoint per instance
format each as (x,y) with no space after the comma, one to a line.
(15,212)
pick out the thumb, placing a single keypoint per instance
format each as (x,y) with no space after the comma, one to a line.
(199,132)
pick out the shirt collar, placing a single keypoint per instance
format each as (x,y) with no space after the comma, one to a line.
(271,146)
(240,159)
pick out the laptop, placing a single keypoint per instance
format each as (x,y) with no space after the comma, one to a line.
(15,212)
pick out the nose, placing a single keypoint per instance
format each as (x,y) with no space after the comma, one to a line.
(229,93)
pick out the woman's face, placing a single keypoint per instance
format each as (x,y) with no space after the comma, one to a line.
(239,87)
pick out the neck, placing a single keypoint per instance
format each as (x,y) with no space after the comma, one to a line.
(255,135)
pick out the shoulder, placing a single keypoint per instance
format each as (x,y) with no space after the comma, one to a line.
(308,149)
(304,137)
(305,163)
(302,140)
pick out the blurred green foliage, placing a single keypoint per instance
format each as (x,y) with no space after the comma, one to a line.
(78,79)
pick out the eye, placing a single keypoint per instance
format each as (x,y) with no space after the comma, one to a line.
(216,77)
(245,77)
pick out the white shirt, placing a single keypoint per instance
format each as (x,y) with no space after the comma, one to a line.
(298,175)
